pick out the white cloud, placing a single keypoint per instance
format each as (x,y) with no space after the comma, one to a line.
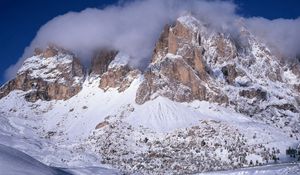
(282,35)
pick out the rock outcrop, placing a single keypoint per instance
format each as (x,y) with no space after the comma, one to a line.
(113,69)
(118,77)
(50,74)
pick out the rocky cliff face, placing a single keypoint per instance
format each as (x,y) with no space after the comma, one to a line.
(189,63)
(49,74)
(192,63)
(56,74)
(179,70)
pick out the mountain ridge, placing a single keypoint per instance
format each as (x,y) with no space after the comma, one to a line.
(204,98)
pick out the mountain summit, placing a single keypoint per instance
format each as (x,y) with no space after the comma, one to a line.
(207,101)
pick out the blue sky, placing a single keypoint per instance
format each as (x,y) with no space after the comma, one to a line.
(20,20)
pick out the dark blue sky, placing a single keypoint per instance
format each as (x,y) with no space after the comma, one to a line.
(20,19)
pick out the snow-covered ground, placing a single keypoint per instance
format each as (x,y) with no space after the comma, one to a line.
(14,162)
(280,169)
(57,133)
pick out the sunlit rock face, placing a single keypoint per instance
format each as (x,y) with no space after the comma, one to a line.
(191,62)
(179,70)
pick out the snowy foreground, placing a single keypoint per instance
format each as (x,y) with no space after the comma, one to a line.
(14,162)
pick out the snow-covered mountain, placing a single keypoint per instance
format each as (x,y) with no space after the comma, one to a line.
(207,101)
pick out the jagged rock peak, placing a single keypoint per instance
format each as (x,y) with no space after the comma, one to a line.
(50,51)
(185,31)
(50,63)
(178,69)
(50,74)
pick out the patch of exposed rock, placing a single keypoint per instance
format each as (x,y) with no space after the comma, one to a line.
(101,60)
(230,73)
(254,93)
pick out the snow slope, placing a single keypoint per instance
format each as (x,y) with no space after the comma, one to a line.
(14,136)
(14,162)
(281,169)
